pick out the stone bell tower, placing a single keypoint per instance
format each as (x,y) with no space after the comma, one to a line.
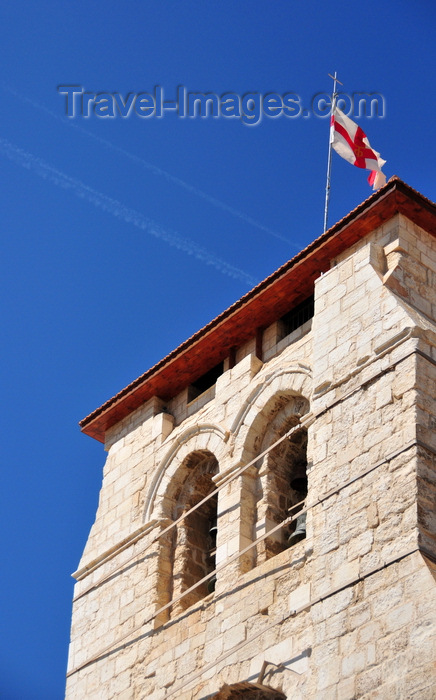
(266,526)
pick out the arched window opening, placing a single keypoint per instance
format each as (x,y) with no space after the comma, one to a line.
(195,537)
(298,491)
(282,484)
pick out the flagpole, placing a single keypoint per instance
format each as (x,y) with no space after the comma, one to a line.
(329,160)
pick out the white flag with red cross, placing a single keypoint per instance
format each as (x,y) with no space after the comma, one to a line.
(351,143)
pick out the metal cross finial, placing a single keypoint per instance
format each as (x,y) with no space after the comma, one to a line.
(335,80)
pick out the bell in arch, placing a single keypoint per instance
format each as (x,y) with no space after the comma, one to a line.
(300,530)
(299,484)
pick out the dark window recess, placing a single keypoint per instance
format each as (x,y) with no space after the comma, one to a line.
(194,543)
(296,317)
(205,382)
(211,555)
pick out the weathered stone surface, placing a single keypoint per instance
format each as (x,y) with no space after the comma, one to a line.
(346,612)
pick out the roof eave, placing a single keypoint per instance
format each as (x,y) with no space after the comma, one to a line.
(395,197)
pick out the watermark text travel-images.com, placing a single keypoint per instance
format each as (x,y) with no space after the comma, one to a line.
(249,108)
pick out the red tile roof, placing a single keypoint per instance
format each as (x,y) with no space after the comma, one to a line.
(269,300)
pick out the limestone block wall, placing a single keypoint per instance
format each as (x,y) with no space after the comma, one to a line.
(373,358)
(346,612)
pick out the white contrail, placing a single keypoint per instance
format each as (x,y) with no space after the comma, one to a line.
(156,170)
(119,210)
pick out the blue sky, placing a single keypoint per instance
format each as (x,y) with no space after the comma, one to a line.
(121,237)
